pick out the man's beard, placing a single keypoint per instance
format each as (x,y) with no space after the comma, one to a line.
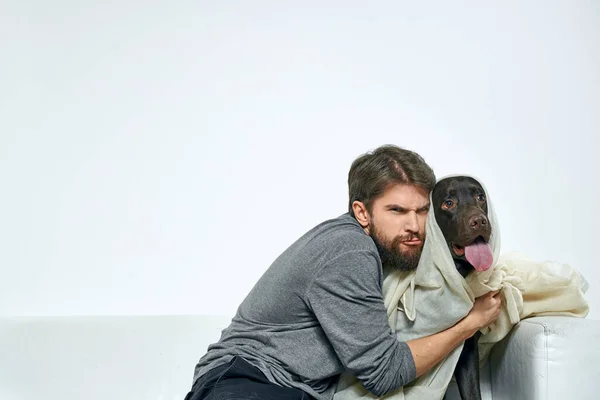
(392,256)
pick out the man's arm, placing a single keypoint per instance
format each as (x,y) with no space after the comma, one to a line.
(346,298)
(430,350)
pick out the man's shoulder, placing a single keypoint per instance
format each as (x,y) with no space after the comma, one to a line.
(344,225)
(345,234)
(345,253)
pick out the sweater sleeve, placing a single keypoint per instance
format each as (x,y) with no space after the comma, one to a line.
(347,300)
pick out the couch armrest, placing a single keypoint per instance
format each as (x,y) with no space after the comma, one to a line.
(548,358)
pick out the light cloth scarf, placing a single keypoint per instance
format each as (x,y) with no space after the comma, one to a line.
(435,297)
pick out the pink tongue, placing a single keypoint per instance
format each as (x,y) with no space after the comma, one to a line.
(479,254)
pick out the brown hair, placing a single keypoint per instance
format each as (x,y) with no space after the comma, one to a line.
(373,171)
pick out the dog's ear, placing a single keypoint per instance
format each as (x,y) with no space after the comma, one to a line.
(361,214)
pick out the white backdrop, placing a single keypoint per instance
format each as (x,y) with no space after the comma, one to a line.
(155,157)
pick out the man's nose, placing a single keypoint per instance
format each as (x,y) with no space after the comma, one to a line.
(412,222)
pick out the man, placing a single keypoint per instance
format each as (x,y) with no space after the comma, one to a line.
(318,310)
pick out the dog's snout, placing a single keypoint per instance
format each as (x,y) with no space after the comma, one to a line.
(477,221)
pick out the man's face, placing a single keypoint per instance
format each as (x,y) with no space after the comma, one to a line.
(397,225)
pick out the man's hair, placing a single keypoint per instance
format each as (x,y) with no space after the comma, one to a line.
(372,172)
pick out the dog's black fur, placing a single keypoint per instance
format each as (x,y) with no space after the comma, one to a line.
(461,211)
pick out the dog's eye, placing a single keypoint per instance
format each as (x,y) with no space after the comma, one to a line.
(448,204)
(480,197)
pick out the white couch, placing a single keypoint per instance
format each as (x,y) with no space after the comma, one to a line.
(153,357)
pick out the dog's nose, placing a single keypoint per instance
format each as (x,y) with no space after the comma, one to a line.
(477,221)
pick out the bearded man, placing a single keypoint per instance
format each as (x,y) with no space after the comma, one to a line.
(318,310)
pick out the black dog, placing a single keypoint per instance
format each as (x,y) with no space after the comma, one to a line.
(461,211)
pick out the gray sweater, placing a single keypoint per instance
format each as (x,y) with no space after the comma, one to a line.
(316,312)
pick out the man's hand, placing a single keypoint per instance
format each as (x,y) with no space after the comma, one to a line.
(484,312)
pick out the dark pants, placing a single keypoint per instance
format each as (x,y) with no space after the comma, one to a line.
(238,379)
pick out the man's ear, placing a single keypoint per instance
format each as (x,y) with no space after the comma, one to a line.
(361,214)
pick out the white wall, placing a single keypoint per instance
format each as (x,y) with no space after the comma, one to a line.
(155,157)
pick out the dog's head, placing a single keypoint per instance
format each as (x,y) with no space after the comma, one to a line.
(461,211)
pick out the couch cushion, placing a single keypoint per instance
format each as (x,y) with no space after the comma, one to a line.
(548,358)
(120,357)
